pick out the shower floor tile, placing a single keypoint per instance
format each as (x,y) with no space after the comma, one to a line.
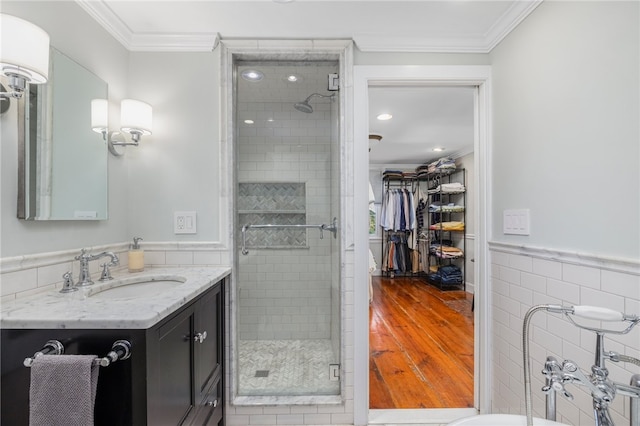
(295,367)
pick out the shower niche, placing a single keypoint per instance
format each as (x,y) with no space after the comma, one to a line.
(275,203)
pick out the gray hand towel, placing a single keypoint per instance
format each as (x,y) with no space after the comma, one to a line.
(63,390)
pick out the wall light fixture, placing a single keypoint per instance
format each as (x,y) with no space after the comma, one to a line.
(135,118)
(24,54)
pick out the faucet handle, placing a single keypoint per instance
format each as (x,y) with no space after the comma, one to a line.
(106,272)
(68,286)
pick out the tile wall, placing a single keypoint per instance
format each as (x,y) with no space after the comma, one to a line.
(522,278)
(286,293)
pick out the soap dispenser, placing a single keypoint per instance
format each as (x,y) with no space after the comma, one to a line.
(136,256)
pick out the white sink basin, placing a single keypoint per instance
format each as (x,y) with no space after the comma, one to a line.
(134,287)
(501,420)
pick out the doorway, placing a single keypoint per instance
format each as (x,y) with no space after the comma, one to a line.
(421,328)
(478,77)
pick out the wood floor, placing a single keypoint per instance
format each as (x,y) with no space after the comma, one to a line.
(420,346)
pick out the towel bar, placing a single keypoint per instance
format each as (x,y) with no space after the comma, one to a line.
(120,350)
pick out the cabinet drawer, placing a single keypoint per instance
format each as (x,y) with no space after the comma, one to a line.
(210,409)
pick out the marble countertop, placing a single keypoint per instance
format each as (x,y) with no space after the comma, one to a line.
(78,310)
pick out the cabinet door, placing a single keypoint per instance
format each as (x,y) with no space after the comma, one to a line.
(208,350)
(171,396)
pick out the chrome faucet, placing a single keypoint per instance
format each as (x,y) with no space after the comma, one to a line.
(84,279)
(602,388)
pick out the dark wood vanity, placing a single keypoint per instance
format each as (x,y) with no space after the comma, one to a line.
(174,375)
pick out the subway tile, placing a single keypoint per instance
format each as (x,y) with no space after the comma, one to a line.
(582,275)
(51,274)
(14,282)
(563,290)
(521,263)
(602,299)
(154,257)
(627,285)
(533,282)
(512,276)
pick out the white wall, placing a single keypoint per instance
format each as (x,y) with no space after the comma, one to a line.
(105,57)
(177,168)
(566,107)
(566,131)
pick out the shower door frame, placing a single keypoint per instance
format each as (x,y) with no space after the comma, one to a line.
(232,51)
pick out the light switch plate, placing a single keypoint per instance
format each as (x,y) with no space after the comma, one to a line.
(516,222)
(184,223)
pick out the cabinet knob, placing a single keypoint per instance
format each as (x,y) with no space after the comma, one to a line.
(213,403)
(199,337)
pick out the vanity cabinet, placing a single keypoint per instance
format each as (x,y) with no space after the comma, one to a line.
(185,353)
(173,377)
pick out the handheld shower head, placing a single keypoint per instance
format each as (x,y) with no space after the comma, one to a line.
(305,107)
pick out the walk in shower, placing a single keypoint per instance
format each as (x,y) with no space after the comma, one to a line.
(287,204)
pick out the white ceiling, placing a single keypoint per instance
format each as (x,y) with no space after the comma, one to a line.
(423,117)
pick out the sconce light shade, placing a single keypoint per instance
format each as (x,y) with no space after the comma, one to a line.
(135,118)
(99,115)
(24,50)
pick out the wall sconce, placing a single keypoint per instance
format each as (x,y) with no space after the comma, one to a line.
(135,118)
(24,54)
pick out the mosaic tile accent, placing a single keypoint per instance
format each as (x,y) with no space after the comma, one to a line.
(267,196)
(268,203)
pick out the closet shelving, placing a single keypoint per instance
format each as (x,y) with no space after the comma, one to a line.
(445,224)
(435,247)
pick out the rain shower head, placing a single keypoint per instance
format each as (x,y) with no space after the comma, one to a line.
(305,107)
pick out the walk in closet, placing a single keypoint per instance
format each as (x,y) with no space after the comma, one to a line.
(423,215)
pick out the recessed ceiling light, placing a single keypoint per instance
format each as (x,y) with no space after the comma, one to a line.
(385,116)
(292,78)
(438,149)
(248,121)
(252,75)
(270,120)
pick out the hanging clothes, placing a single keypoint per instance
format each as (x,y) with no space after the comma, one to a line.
(398,210)
(398,219)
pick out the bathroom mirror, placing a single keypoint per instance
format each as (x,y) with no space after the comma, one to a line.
(62,162)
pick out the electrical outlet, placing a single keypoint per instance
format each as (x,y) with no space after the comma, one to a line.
(184,222)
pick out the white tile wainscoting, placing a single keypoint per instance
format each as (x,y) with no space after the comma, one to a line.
(522,277)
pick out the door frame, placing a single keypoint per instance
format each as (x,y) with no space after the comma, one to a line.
(478,76)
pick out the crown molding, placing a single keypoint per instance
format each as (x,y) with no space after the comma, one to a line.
(482,43)
(146,42)
(206,42)
(509,21)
